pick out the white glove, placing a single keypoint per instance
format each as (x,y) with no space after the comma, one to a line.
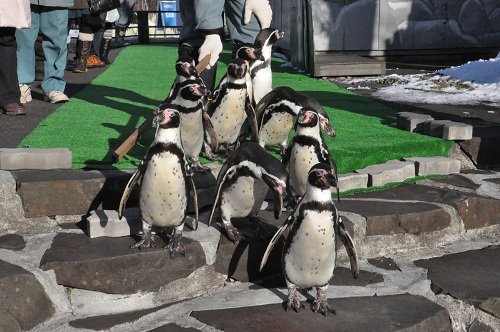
(211,46)
(261,9)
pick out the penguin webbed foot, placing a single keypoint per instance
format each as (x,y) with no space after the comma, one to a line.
(175,245)
(148,240)
(320,303)
(232,233)
(198,167)
(293,301)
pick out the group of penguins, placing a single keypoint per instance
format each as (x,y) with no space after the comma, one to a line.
(244,104)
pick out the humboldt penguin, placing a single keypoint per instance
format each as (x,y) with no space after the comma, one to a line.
(260,70)
(185,68)
(243,183)
(277,111)
(250,54)
(228,108)
(309,254)
(165,180)
(306,149)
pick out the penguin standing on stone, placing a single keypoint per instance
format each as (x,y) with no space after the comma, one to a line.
(229,107)
(165,180)
(185,68)
(306,149)
(260,70)
(277,112)
(243,183)
(309,253)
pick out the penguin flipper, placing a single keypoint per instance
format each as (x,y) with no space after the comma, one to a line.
(349,246)
(252,119)
(275,239)
(134,179)
(220,181)
(209,128)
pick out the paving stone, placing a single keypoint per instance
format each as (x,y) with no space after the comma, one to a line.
(12,242)
(458,180)
(391,171)
(352,181)
(105,322)
(23,297)
(11,209)
(495,181)
(478,326)
(386,218)
(471,276)
(414,122)
(108,265)
(435,165)
(173,328)
(8,323)
(384,263)
(482,150)
(448,130)
(106,223)
(21,158)
(378,313)
(475,211)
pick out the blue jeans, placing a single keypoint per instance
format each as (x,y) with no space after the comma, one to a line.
(52,23)
(126,10)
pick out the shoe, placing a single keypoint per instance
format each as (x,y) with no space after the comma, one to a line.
(104,51)
(14,109)
(120,37)
(82,53)
(56,96)
(25,93)
(93,61)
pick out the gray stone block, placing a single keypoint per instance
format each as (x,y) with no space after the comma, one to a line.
(435,165)
(391,171)
(448,130)
(414,122)
(352,181)
(19,158)
(106,223)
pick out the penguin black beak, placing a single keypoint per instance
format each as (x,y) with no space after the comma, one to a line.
(159,118)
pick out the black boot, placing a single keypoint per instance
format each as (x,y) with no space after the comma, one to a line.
(104,51)
(83,50)
(120,37)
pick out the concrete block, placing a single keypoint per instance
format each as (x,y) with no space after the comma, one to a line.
(352,181)
(20,158)
(414,122)
(435,165)
(106,223)
(391,171)
(448,130)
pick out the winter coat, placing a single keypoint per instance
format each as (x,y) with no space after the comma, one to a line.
(53,3)
(15,13)
(81,4)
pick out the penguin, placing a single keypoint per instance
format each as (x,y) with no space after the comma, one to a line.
(185,68)
(309,255)
(228,108)
(250,54)
(305,150)
(243,183)
(165,180)
(190,100)
(260,70)
(277,111)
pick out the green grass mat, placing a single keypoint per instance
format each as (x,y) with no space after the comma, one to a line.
(97,119)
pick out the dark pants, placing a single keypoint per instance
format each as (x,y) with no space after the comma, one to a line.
(9,85)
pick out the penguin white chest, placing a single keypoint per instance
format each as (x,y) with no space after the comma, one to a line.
(262,83)
(302,158)
(238,199)
(229,117)
(310,259)
(163,196)
(192,133)
(276,129)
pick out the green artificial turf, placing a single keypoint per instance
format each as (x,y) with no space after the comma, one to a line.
(101,116)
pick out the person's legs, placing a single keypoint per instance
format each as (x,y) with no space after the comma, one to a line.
(126,10)
(26,48)
(9,86)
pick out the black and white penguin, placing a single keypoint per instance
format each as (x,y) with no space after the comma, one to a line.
(277,111)
(306,149)
(190,100)
(309,253)
(243,183)
(228,108)
(260,70)
(165,179)
(250,54)
(185,68)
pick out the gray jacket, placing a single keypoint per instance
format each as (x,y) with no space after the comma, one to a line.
(53,3)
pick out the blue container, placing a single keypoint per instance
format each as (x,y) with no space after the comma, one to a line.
(167,14)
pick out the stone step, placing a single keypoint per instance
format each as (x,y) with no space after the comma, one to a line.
(346,65)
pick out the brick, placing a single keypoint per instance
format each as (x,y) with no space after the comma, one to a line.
(19,158)
(391,171)
(435,165)
(352,181)
(414,122)
(106,223)
(448,130)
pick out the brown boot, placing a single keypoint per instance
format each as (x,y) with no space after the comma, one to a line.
(93,61)
(83,53)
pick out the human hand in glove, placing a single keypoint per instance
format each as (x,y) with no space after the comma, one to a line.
(261,9)
(211,46)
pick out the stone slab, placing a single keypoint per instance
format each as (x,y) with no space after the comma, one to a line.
(435,165)
(391,171)
(475,277)
(387,218)
(482,150)
(352,181)
(172,327)
(495,181)
(23,297)
(12,242)
(11,209)
(106,223)
(27,158)
(108,265)
(413,122)
(384,263)
(448,130)
(8,323)
(346,65)
(377,313)
(478,326)
(458,180)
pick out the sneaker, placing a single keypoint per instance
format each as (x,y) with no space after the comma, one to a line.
(25,93)
(56,96)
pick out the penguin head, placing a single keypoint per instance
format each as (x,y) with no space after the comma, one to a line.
(237,68)
(193,89)
(267,37)
(185,66)
(248,52)
(167,116)
(307,117)
(326,127)
(321,176)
